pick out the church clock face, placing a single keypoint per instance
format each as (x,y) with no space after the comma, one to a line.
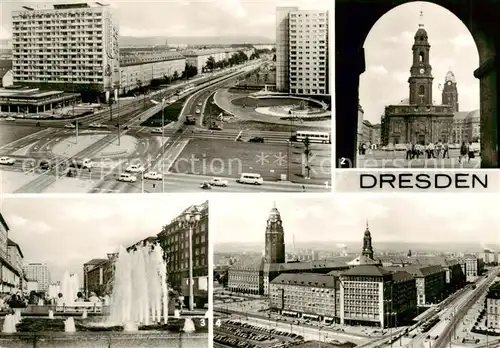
(449,83)
(422,70)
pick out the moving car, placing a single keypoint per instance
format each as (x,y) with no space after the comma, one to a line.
(125,177)
(256,140)
(7,161)
(198,111)
(69,125)
(135,168)
(200,104)
(250,178)
(205,186)
(152,176)
(45,165)
(10,118)
(96,125)
(157,130)
(218,182)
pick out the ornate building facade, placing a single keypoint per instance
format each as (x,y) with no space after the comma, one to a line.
(418,121)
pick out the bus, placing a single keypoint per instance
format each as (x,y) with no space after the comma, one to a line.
(314,137)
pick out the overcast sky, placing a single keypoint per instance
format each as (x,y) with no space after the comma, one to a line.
(418,218)
(389,57)
(184,17)
(67,232)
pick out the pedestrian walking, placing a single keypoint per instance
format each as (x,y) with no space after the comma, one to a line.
(408,151)
(463,152)
(471,152)
(446,152)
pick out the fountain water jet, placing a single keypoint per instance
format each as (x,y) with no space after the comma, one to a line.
(70,286)
(140,293)
(189,325)
(84,314)
(69,325)
(51,314)
(9,324)
(130,327)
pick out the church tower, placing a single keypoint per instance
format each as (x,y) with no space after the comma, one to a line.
(275,238)
(367,244)
(420,80)
(450,93)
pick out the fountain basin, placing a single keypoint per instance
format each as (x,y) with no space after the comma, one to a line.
(149,339)
(45,324)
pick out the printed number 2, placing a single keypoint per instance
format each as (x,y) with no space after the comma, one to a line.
(343,161)
(202,322)
(217,323)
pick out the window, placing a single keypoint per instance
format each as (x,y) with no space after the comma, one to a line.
(421,90)
(421,57)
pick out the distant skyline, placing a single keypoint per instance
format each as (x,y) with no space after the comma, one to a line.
(67,232)
(388,55)
(342,218)
(204,18)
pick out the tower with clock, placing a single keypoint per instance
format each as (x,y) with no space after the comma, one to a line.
(275,238)
(418,119)
(449,95)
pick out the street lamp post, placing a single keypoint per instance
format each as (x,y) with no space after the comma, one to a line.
(192,218)
(163,145)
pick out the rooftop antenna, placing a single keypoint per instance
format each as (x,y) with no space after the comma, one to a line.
(366,223)
(421,24)
(274,204)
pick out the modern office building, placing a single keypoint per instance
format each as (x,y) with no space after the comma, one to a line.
(474,267)
(70,47)
(40,273)
(307,295)
(301,51)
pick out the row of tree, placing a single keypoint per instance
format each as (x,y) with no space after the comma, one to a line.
(237,58)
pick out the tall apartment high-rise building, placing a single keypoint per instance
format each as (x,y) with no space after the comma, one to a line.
(39,272)
(70,47)
(302,51)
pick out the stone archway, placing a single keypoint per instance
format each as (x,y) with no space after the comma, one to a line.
(354,20)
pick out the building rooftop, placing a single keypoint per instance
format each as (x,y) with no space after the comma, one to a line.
(423,271)
(10,242)
(306,279)
(494,291)
(305,266)
(466,115)
(248,263)
(95,261)
(367,270)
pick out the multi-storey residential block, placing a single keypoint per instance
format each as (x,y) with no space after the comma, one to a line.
(493,307)
(40,273)
(301,51)
(71,47)
(474,267)
(174,240)
(98,275)
(138,70)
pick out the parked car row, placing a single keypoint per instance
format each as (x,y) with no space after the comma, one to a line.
(266,330)
(247,334)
